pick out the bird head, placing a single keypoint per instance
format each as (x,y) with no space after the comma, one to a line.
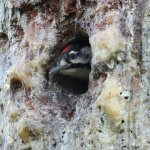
(74,60)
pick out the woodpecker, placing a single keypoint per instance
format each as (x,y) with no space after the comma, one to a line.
(75,60)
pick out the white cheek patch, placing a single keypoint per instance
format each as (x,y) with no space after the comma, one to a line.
(78,60)
(63,62)
(73,52)
(85,56)
(86,50)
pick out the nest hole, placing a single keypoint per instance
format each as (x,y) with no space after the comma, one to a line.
(68,83)
(3,39)
(3,36)
(15,84)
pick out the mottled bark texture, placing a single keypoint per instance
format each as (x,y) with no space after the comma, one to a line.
(38,112)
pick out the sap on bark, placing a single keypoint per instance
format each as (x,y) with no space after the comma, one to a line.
(30,74)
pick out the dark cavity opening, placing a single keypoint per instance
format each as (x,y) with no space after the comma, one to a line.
(15,84)
(68,83)
(3,39)
(3,36)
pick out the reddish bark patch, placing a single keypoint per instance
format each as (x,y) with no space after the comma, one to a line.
(70,6)
(54,5)
(27,101)
(67,106)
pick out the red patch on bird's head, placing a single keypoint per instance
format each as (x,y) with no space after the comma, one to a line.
(66,49)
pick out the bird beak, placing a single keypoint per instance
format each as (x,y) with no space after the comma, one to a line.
(64,67)
(59,68)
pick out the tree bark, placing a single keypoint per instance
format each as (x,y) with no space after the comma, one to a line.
(42,112)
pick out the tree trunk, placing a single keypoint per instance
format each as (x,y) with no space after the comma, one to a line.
(43,112)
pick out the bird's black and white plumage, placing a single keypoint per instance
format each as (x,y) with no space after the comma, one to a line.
(75,61)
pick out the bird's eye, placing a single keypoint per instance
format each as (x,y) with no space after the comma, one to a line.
(72,56)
